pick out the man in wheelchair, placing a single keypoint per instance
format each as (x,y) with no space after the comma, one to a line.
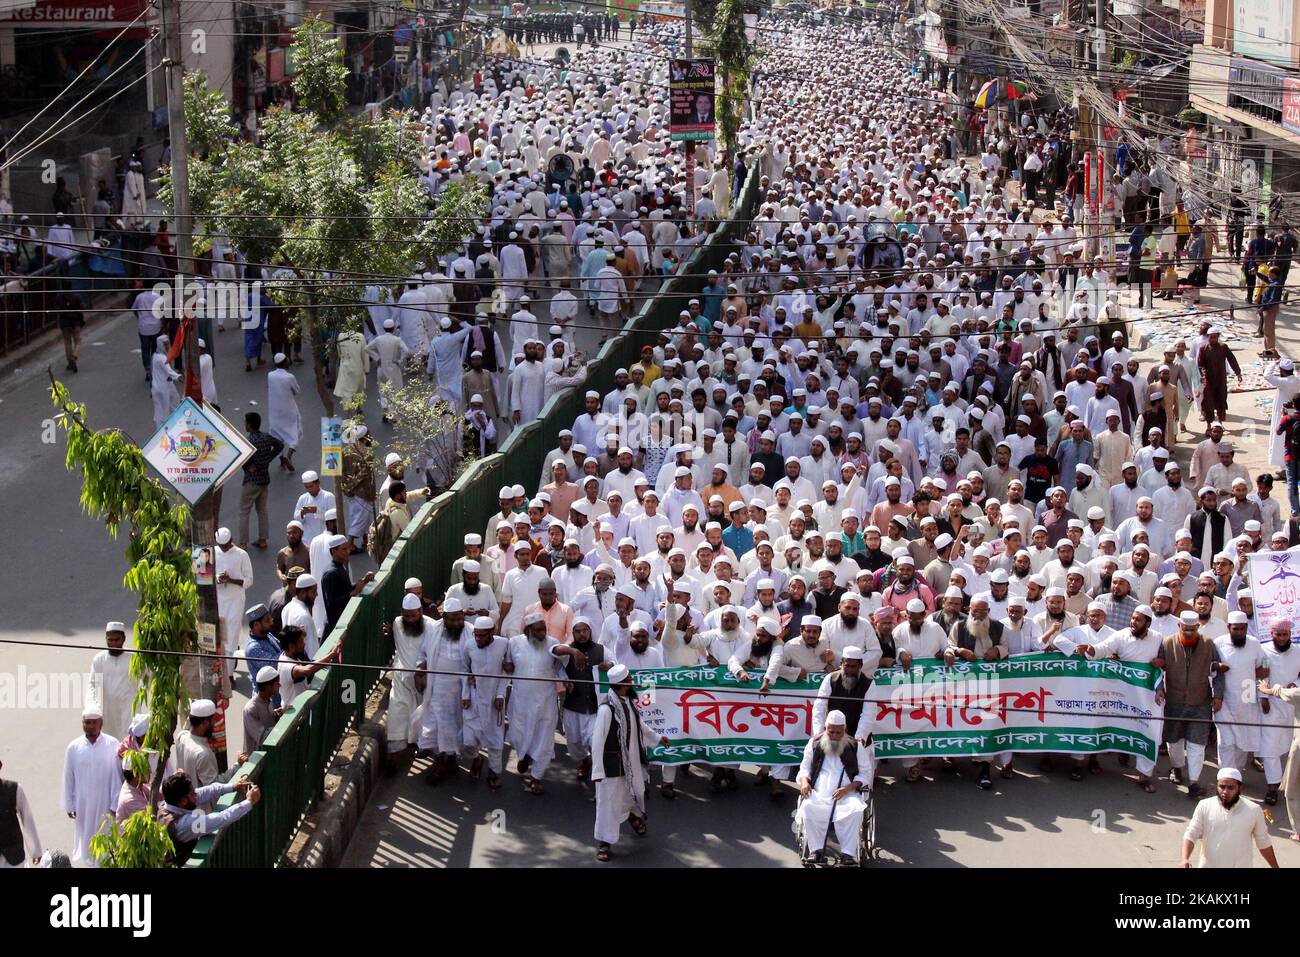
(835,773)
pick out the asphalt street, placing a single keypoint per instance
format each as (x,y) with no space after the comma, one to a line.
(1034,820)
(65,582)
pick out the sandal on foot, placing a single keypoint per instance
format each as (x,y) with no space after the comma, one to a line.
(1076,774)
(668,791)
(493,782)
(476,767)
(602,851)
(637,824)
(1146,784)
(913,774)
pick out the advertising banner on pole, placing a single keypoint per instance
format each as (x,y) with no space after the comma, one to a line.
(692,95)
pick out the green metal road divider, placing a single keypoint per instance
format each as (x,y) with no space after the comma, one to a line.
(290,766)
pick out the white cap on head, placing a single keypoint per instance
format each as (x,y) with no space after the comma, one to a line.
(202,708)
(309,476)
(411,602)
(266,674)
(617,674)
(304,581)
(223,536)
(483,623)
(836,719)
(1228,774)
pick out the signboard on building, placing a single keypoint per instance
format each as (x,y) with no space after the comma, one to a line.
(1291,103)
(1262,29)
(196,449)
(691,97)
(76,13)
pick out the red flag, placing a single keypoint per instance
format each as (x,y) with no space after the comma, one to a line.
(175,350)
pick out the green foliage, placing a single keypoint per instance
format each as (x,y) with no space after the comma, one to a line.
(207,116)
(424,428)
(733,54)
(140,842)
(320,81)
(117,488)
(337,197)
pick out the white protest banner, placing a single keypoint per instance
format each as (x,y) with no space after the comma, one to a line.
(1275,586)
(1048,702)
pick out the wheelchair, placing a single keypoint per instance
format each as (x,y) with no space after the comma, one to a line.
(866,831)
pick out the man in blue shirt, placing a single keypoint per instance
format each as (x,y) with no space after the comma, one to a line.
(260,648)
(737,536)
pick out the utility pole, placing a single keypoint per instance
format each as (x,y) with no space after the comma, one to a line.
(1102,247)
(690,144)
(202,520)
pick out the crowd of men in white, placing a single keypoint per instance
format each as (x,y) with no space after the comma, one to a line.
(802,479)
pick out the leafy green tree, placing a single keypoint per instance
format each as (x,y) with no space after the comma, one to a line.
(117,488)
(733,54)
(334,198)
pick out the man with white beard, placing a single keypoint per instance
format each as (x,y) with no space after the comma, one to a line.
(836,769)
(1138,642)
(410,629)
(978,637)
(1246,662)
(484,707)
(444,651)
(1279,721)
(849,628)
(534,706)
(619,737)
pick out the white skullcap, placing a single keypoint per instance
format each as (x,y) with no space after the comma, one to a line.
(1227,774)
(483,623)
(533,618)
(1238,618)
(836,719)
(304,581)
(223,536)
(411,602)
(617,674)
(92,710)
(1189,618)
(202,708)
(915,606)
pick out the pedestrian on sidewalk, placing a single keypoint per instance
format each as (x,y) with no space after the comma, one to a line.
(1269,304)
(67,305)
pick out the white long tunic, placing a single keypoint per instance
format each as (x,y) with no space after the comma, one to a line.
(1240,693)
(534,707)
(514,270)
(403,699)
(441,724)
(163,388)
(484,725)
(815,810)
(1283,669)
(527,390)
(230,598)
(389,352)
(92,776)
(284,417)
(113,689)
(1287,388)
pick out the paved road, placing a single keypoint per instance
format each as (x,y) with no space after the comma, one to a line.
(944,821)
(63,580)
